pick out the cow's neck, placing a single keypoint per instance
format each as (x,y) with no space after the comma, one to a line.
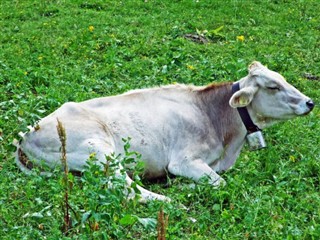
(225,119)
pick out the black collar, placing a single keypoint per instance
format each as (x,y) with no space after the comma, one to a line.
(243,112)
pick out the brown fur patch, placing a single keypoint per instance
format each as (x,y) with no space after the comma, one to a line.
(214,86)
(216,98)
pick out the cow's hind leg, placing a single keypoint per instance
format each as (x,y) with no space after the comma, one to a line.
(145,195)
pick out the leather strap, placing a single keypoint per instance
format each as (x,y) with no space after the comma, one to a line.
(244,114)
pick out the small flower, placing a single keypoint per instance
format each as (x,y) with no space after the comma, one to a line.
(193,220)
(91,28)
(240,38)
(92,156)
(292,158)
(191,67)
(40,226)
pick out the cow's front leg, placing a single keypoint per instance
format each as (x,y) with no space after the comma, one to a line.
(195,169)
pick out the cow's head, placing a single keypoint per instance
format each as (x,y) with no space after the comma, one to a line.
(268,97)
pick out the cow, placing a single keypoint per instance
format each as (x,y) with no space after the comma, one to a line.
(184,130)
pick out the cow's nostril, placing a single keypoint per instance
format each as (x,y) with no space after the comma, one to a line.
(310,104)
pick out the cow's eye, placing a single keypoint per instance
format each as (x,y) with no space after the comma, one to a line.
(275,88)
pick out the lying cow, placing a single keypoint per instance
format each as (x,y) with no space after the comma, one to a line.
(184,130)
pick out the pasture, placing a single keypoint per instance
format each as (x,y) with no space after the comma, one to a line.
(58,51)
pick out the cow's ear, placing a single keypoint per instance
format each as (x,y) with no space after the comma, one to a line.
(242,97)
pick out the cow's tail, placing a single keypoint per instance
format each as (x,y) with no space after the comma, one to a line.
(21,158)
(23,161)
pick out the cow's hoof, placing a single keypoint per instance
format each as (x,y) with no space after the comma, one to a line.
(153,197)
(220,182)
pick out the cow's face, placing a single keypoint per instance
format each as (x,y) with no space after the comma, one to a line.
(269,98)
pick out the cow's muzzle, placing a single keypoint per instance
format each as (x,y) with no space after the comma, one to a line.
(310,104)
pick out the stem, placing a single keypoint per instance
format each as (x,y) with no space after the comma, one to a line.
(63,139)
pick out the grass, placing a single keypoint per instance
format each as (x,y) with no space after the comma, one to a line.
(58,51)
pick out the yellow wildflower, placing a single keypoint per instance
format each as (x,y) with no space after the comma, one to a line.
(191,67)
(92,155)
(292,158)
(91,28)
(240,38)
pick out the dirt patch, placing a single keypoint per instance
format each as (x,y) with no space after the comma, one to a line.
(196,38)
(311,77)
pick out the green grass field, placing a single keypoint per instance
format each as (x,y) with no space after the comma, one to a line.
(57,51)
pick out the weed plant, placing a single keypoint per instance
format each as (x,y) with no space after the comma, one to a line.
(58,51)
(99,199)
